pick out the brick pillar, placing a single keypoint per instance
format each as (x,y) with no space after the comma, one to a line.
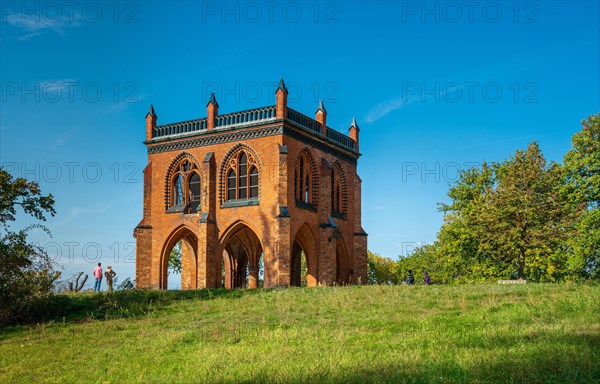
(188,266)
(281,95)
(143,257)
(283,249)
(283,236)
(143,235)
(327,259)
(354,132)
(326,242)
(252,276)
(209,262)
(150,122)
(360,258)
(321,117)
(212,111)
(360,237)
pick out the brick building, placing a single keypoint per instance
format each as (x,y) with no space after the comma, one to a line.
(267,186)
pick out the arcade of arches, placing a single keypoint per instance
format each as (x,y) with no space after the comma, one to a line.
(260,201)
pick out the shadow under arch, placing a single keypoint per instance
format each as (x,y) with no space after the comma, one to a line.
(240,250)
(189,258)
(304,242)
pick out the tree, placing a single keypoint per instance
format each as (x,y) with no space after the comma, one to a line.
(458,244)
(175,258)
(521,220)
(582,192)
(381,270)
(26,272)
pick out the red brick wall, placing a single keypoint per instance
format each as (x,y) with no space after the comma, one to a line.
(158,230)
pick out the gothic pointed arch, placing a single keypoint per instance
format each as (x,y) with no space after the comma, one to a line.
(339,190)
(190,240)
(241,248)
(304,243)
(240,174)
(178,181)
(306,179)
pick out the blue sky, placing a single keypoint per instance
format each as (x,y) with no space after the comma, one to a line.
(434,86)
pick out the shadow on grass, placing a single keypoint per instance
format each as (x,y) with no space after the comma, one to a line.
(80,307)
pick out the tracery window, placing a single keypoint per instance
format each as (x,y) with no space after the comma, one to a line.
(185,188)
(242,177)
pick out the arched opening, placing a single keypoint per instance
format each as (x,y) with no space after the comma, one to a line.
(182,244)
(303,269)
(242,258)
(299,267)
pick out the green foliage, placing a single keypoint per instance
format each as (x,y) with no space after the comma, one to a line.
(423,259)
(303,270)
(26,272)
(582,165)
(520,222)
(381,270)
(520,218)
(175,258)
(582,191)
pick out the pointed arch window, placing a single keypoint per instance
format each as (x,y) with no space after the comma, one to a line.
(231,185)
(302,183)
(194,192)
(242,178)
(178,189)
(254,182)
(184,188)
(337,194)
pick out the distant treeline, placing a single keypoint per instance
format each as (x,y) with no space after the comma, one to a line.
(520,218)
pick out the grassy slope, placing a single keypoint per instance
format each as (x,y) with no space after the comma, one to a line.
(533,333)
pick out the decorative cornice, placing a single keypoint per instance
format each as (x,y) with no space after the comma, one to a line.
(218,139)
(237,135)
(294,134)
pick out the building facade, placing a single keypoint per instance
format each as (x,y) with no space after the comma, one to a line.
(267,193)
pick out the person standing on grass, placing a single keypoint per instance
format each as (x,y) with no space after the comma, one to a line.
(98,276)
(427,279)
(109,277)
(410,279)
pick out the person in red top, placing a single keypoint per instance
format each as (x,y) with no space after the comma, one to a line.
(98,276)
